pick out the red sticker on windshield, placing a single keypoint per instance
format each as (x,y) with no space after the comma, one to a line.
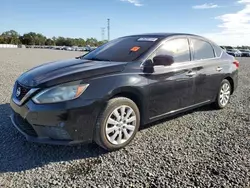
(135,48)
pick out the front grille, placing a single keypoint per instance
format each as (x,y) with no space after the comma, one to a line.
(24,125)
(23,91)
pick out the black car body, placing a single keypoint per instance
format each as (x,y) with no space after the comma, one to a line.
(161,74)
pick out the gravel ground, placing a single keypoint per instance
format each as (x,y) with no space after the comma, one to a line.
(202,148)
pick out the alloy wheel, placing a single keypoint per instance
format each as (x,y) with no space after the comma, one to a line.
(225,94)
(120,125)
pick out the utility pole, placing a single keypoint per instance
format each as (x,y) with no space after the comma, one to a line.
(108,29)
(103,33)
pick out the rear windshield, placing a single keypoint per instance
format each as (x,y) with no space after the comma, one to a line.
(124,49)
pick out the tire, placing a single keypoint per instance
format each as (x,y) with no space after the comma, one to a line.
(219,103)
(106,139)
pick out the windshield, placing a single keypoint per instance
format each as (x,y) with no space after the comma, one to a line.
(124,49)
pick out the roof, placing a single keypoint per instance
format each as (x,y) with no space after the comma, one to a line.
(163,34)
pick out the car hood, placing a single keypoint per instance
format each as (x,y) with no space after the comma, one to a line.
(68,70)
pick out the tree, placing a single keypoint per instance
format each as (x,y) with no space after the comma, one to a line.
(1,40)
(82,42)
(32,38)
(78,42)
(60,41)
(40,39)
(102,42)
(69,42)
(91,42)
(29,38)
(10,37)
(49,42)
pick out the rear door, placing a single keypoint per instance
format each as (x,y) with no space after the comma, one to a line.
(206,56)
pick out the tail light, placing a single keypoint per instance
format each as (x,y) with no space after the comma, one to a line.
(237,63)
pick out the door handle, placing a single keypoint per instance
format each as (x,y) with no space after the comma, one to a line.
(219,69)
(191,73)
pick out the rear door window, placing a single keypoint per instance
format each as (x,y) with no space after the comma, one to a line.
(202,49)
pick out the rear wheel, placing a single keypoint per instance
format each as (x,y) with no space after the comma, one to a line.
(224,95)
(117,124)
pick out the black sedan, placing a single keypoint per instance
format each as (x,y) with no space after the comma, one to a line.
(105,95)
(234,52)
(245,53)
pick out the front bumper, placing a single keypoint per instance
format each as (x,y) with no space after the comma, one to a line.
(65,123)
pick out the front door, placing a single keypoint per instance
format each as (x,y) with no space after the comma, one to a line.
(171,88)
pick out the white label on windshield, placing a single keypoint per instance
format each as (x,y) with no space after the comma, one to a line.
(148,39)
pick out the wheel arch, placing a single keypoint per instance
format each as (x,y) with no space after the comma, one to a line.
(133,94)
(231,81)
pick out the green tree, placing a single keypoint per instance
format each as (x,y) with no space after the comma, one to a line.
(91,42)
(60,41)
(49,42)
(29,38)
(1,40)
(32,38)
(102,42)
(10,37)
(82,42)
(69,42)
(40,39)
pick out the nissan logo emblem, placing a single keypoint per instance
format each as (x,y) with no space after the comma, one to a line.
(18,92)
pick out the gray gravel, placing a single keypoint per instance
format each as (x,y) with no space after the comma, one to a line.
(202,148)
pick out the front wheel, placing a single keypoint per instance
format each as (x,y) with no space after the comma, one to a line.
(224,95)
(117,124)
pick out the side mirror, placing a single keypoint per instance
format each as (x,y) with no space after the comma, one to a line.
(148,66)
(164,60)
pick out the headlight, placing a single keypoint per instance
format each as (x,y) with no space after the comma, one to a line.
(60,93)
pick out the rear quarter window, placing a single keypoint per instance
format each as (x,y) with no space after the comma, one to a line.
(218,50)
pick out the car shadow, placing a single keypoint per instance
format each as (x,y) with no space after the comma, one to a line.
(17,154)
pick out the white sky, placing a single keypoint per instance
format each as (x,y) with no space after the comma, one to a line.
(234,27)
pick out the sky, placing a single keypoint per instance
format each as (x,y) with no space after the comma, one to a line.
(226,22)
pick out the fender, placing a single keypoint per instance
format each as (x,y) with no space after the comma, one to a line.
(135,94)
